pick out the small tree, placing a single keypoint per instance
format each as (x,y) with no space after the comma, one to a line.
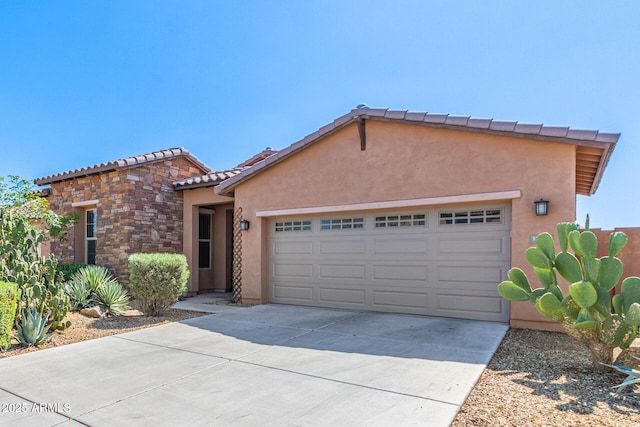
(20,197)
(588,313)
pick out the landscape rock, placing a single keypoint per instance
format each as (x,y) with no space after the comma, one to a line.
(95,312)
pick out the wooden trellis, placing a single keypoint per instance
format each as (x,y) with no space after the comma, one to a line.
(237,256)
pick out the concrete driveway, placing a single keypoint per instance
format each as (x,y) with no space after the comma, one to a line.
(269,365)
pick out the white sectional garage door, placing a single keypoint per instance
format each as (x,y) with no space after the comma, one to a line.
(440,262)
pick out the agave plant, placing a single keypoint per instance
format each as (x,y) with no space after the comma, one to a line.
(633,378)
(112,298)
(93,277)
(33,328)
(80,295)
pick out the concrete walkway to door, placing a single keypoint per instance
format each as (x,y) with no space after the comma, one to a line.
(268,365)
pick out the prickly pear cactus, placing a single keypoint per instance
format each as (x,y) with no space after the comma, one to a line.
(39,284)
(587,313)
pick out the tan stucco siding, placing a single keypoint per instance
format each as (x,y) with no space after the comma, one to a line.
(409,162)
(193,199)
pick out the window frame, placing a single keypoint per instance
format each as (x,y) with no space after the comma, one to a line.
(467,217)
(400,220)
(293,225)
(93,238)
(343,223)
(202,240)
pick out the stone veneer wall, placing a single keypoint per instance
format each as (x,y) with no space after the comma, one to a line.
(138,211)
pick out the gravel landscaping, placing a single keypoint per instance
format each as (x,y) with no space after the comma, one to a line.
(546,379)
(85,328)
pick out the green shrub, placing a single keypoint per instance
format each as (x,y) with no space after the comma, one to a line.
(8,305)
(156,281)
(112,298)
(69,270)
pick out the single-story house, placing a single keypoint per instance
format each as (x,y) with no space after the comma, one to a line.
(380,210)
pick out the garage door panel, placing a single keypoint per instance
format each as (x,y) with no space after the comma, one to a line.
(302,247)
(342,296)
(462,273)
(292,270)
(342,271)
(475,246)
(400,272)
(400,246)
(471,305)
(332,247)
(293,294)
(398,299)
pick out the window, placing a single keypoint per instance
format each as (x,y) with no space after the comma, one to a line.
(342,224)
(479,216)
(204,240)
(415,220)
(91,218)
(283,226)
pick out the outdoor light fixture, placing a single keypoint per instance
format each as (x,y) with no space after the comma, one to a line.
(244,224)
(542,207)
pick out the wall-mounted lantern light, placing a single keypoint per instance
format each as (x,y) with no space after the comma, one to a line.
(244,225)
(542,207)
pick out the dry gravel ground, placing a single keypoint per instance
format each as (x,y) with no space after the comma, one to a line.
(546,379)
(534,379)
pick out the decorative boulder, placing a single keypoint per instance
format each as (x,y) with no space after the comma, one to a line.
(95,312)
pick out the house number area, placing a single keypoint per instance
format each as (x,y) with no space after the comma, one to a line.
(34,407)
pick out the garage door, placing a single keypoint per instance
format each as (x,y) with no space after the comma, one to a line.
(439,262)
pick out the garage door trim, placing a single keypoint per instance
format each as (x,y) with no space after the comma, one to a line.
(393,204)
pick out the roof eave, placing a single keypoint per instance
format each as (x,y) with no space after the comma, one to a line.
(606,156)
(65,176)
(125,163)
(179,187)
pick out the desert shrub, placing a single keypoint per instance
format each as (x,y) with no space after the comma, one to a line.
(112,298)
(80,295)
(33,328)
(93,277)
(92,284)
(156,281)
(8,305)
(69,270)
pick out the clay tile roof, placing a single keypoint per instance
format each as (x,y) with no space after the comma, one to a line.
(214,178)
(208,180)
(125,163)
(258,157)
(593,153)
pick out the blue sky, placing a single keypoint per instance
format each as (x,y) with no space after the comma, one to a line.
(87,82)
